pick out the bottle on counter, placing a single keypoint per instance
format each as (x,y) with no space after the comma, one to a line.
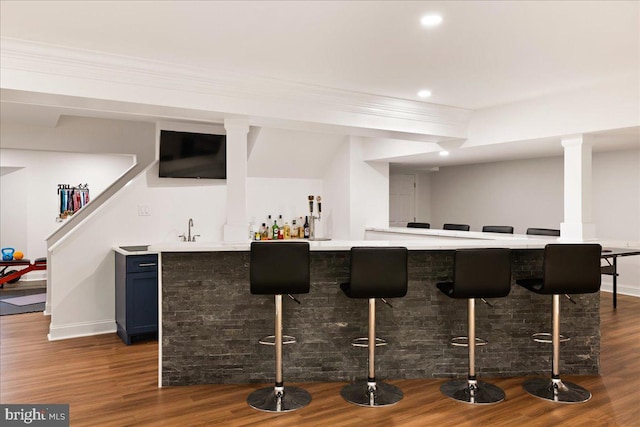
(300,228)
(306,227)
(264,232)
(287,231)
(275,229)
(280,223)
(294,230)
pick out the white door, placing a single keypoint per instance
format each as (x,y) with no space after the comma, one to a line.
(401,200)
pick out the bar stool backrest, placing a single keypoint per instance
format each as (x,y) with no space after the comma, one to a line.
(571,269)
(279,268)
(497,229)
(378,272)
(418,225)
(482,273)
(543,232)
(458,227)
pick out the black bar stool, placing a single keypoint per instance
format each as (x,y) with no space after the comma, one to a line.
(477,273)
(376,272)
(268,277)
(568,269)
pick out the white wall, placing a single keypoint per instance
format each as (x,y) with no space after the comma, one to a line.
(616,210)
(423,197)
(337,194)
(529,193)
(30,203)
(521,193)
(369,191)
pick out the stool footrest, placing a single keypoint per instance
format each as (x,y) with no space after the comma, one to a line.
(464,342)
(364,342)
(547,338)
(271,340)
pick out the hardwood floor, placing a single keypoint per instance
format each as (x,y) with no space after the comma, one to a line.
(109,384)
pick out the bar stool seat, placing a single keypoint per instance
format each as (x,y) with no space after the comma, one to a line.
(477,273)
(268,278)
(568,269)
(376,272)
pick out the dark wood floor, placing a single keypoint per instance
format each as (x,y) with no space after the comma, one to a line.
(109,384)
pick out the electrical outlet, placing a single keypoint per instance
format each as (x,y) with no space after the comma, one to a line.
(144,210)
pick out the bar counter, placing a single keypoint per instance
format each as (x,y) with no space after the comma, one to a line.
(211,324)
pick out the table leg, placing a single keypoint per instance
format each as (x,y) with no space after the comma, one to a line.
(615,281)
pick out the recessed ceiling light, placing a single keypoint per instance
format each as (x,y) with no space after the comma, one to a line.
(431,20)
(444,153)
(424,93)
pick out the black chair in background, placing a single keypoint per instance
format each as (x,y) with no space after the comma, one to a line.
(418,225)
(507,229)
(477,273)
(457,227)
(268,277)
(543,232)
(567,269)
(376,272)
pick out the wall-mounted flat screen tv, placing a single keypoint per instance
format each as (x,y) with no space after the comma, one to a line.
(192,155)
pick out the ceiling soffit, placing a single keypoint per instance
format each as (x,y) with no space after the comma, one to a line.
(77,72)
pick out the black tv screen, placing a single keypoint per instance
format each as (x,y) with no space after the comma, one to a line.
(192,155)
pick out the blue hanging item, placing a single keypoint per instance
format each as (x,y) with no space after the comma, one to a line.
(7,254)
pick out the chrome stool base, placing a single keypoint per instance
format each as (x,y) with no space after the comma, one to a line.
(474,392)
(556,390)
(279,399)
(364,393)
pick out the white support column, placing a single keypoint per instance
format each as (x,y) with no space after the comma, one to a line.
(236,228)
(577,225)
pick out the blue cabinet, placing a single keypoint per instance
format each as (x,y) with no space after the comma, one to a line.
(136,296)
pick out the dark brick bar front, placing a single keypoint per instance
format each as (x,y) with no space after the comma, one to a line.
(211,324)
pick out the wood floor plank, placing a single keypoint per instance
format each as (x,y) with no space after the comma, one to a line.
(109,384)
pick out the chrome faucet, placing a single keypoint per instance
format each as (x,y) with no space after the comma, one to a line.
(189,237)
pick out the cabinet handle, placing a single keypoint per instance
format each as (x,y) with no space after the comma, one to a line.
(147,264)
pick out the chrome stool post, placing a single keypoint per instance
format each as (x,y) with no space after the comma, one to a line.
(371,392)
(555,389)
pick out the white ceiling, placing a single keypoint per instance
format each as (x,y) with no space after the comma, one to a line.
(485,53)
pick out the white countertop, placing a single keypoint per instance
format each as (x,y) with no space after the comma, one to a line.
(345,245)
(443,240)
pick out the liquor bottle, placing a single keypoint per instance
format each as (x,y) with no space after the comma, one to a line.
(294,230)
(306,227)
(264,232)
(300,228)
(287,231)
(280,223)
(275,230)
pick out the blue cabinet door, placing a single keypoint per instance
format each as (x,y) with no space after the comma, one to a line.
(142,302)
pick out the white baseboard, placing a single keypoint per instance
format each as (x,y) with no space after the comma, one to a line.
(622,289)
(76,330)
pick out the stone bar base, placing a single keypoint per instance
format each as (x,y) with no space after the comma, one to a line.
(211,324)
